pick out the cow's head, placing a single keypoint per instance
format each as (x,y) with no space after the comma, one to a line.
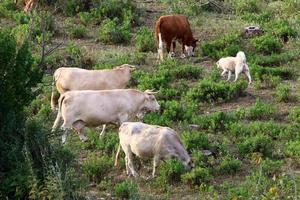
(126,67)
(190,47)
(150,101)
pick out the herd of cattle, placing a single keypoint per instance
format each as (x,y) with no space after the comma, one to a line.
(90,98)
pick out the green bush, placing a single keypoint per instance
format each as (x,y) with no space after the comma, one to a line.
(283,30)
(145,40)
(229,165)
(96,167)
(72,7)
(271,167)
(111,32)
(283,93)
(267,81)
(212,92)
(294,115)
(282,72)
(292,149)
(267,44)
(195,141)
(170,172)
(21,18)
(126,190)
(77,32)
(198,158)
(228,45)
(258,143)
(85,18)
(273,59)
(261,110)
(251,6)
(197,176)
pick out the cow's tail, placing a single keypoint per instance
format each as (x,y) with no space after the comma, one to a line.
(117,155)
(54,92)
(59,116)
(242,56)
(159,39)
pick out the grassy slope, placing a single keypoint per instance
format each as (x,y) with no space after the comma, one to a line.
(206,27)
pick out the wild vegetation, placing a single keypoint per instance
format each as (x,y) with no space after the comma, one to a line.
(244,139)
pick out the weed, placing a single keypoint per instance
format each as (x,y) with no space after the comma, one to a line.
(126,190)
(283,93)
(267,44)
(261,110)
(229,165)
(195,141)
(197,176)
(144,40)
(294,115)
(170,172)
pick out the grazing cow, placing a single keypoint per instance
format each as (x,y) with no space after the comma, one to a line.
(68,79)
(169,28)
(91,108)
(150,141)
(234,64)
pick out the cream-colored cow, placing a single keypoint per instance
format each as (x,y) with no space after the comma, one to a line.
(150,141)
(91,108)
(69,79)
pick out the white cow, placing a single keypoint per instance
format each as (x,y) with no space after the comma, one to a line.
(91,108)
(150,141)
(234,64)
(68,79)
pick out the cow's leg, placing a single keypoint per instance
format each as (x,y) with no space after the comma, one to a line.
(103,129)
(223,73)
(248,75)
(160,47)
(79,127)
(183,51)
(174,47)
(229,75)
(126,165)
(156,160)
(130,162)
(65,136)
(168,47)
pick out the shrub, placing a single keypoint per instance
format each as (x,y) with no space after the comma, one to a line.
(282,72)
(170,172)
(215,122)
(251,6)
(198,158)
(195,141)
(145,40)
(283,30)
(229,166)
(267,81)
(197,176)
(77,31)
(283,93)
(261,110)
(113,33)
(274,59)
(21,33)
(258,143)
(228,45)
(294,115)
(271,167)
(85,18)
(96,168)
(126,190)
(267,44)
(21,18)
(211,92)
(72,7)
(292,149)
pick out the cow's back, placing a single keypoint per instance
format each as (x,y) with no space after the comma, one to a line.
(173,26)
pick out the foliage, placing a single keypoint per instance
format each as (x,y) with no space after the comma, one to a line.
(227,45)
(212,92)
(267,81)
(195,141)
(251,6)
(261,110)
(283,93)
(97,167)
(258,143)
(294,115)
(197,176)
(282,72)
(271,167)
(77,32)
(275,59)
(126,190)
(144,40)
(267,44)
(292,148)
(21,18)
(111,32)
(229,165)
(72,7)
(170,172)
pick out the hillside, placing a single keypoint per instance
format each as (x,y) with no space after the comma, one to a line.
(244,139)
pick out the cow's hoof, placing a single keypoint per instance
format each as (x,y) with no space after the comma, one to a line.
(183,56)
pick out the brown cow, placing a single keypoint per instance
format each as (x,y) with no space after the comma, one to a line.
(169,28)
